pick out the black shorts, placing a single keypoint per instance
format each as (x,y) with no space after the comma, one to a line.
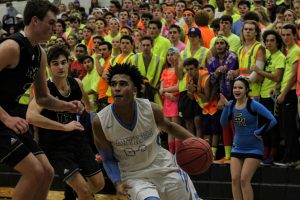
(14,148)
(243,156)
(68,160)
(188,108)
(210,124)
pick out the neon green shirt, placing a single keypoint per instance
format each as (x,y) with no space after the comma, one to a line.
(291,58)
(274,61)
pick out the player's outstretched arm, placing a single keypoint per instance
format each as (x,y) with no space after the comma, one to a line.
(42,94)
(110,164)
(169,127)
(34,117)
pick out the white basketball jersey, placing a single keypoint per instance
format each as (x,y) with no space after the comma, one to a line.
(134,147)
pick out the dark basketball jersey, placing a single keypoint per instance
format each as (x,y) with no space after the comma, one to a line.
(14,82)
(47,136)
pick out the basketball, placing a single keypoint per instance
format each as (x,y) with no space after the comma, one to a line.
(194,156)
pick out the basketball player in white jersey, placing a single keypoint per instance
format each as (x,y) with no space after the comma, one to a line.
(126,136)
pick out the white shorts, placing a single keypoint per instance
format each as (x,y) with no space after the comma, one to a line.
(162,179)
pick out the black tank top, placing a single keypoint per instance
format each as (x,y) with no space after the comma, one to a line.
(48,137)
(14,82)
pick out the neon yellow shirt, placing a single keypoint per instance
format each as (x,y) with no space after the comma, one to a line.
(274,61)
(291,58)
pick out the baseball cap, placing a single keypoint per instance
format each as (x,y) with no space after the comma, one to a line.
(76,1)
(174,50)
(221,37)
(194,31)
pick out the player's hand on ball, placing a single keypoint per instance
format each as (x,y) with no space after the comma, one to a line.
(122,189)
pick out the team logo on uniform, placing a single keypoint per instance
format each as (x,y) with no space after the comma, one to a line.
(66,171)
(12,141)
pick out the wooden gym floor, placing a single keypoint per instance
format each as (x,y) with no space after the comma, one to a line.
(6,193)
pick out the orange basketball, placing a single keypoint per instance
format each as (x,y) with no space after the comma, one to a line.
(194,156)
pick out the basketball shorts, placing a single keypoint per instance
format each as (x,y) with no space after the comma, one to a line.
(188,108)
(68,160)
(162,179)
(14,148)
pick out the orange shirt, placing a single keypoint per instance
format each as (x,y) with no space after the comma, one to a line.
(102,84)
(207,35)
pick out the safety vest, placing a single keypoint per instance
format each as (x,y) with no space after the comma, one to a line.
(154,69)
(209,107)
(200,55)
(120,60)
(246,60)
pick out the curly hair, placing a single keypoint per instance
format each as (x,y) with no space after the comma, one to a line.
(129,70)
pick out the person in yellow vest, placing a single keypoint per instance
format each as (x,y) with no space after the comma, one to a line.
(160,43)
(149,64)
(102,62)
(251,54)
(288,97)
(186,106)
(126,46)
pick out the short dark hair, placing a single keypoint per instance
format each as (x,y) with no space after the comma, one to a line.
(147,15)
(108,44)
(145,5)
(55,51)
(81,46)
(116,3)
(209,6)
(226,18)
(147,37)
(103,20)
(130,70)
(290,26)
(246,3)
(98,37)
(181,1)
(63,24)
(38,8)
(251,16)
(191,61)
(83,58)
(176,27)
(156,22)
(127,37)
(279,41)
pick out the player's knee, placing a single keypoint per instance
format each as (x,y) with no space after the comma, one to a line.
(37,173)
(49,173)
(152,198)
(235,180)
(244,181)
(83,191)
(97,184)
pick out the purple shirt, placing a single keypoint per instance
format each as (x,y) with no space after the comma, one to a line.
(225,85)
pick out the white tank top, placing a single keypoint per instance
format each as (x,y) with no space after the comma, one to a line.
(134,147)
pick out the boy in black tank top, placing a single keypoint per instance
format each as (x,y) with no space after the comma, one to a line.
(64,135)
(23,62)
